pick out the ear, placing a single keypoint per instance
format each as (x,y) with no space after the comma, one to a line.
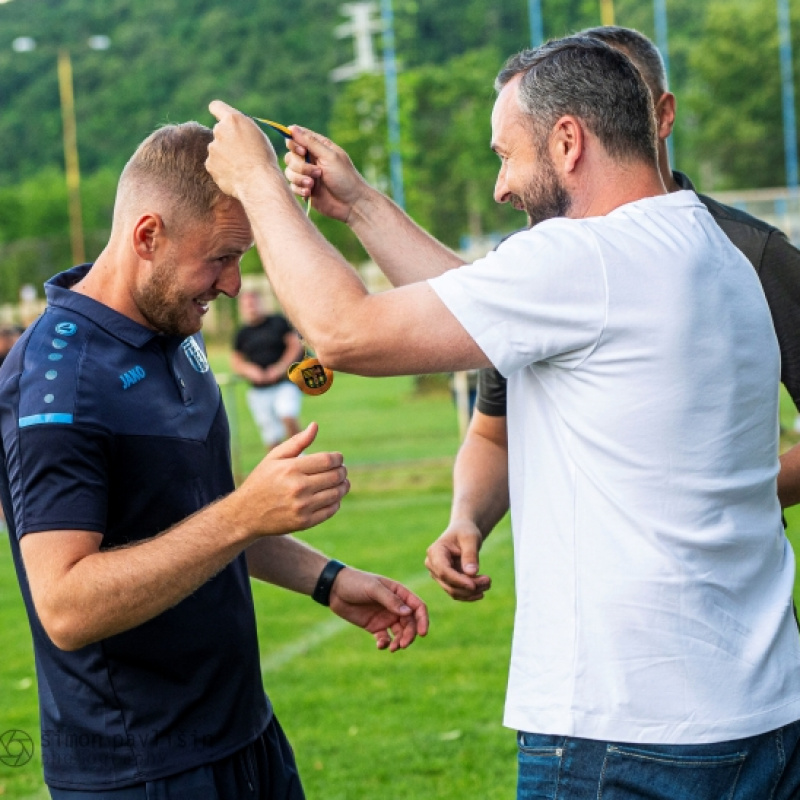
(147,232)
(665,114)
(567,143)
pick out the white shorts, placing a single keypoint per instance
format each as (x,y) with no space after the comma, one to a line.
(270,405)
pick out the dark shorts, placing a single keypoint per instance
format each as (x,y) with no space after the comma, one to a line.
(264,770)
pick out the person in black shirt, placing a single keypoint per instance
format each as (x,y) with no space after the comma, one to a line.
(264,348)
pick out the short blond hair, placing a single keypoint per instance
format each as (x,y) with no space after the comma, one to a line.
(168,170)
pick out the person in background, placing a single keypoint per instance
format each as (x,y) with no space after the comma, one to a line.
(263,349)
(8,337)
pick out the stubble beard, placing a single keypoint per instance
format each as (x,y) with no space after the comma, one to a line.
(163,307)
(545,197)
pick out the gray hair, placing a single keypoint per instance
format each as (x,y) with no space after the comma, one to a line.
(644,54)
(588,79)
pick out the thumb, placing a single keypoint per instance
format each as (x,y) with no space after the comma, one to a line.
(386,594)
(469,556)
(294,446)
(314,143)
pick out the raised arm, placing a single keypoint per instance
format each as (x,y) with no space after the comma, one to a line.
(404,251)
(83,594)
(405,331)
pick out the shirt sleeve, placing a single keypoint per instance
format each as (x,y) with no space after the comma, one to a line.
(59,479)
(492,391)
(780,276)
(541,296)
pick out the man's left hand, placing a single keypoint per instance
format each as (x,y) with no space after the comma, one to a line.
(386,609)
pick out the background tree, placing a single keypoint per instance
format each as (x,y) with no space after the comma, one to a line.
(170,57)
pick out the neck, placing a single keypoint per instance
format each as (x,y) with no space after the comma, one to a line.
(106,282)
(614,186)
(665,168)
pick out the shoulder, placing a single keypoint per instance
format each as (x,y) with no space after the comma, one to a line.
(735,216)
(553,240)
(750,234)
(50,366)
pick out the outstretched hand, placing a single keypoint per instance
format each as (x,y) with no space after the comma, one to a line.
(388,610)
(453,563)
(318,168)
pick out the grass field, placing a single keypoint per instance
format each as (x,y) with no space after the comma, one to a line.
(424,723)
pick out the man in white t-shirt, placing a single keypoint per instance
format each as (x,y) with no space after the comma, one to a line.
(655,654)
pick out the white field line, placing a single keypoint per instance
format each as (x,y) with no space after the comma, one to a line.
(323,631)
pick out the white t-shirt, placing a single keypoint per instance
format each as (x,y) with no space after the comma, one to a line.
(653,577)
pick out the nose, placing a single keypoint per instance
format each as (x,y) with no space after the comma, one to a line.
(501,192)
(229,280)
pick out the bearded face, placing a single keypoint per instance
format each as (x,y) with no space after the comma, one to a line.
(165,305)
(544,197)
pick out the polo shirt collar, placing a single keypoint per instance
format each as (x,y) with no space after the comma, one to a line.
(58,291)
(682,180)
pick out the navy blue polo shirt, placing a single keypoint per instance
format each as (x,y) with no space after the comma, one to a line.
(109,427)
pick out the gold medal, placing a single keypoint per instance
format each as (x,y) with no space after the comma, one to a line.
(310,376)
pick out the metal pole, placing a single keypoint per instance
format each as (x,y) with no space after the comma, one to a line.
(606,12)
(787,82)
(537,26)
(392,113)
(662,42)
(71,155)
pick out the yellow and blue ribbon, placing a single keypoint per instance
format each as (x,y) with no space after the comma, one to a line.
(287,134)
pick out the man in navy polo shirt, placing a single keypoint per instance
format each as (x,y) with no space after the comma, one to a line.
(132,548)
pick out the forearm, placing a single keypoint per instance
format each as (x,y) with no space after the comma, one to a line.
(109,591)
(246,369)
(319,278)
(480,483)
(789,478)
(404,252)
(286,562)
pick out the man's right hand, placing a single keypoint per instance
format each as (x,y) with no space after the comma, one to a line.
(328,176)
(289,491)
(453,563)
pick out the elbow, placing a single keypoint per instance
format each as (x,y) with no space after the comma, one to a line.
(64,630)
(339,350)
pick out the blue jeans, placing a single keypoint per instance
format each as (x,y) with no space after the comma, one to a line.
(765,767)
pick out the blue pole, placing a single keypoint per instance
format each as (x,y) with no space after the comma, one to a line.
(662,42)
(392,113)
(535,16)
(787,82)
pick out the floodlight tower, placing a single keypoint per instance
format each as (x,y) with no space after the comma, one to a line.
(25,44)
(535,19)
(606,12)
(787,84)
(660,19)
(361,27)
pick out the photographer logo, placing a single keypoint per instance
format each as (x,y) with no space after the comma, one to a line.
(16,748)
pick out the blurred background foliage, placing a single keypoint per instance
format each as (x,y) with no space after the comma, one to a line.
(169,58)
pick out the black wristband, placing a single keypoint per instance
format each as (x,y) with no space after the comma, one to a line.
(322,591)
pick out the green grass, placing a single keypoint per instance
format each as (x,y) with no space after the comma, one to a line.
(424,723)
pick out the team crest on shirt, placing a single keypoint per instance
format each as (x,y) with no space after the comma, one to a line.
(197,358)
